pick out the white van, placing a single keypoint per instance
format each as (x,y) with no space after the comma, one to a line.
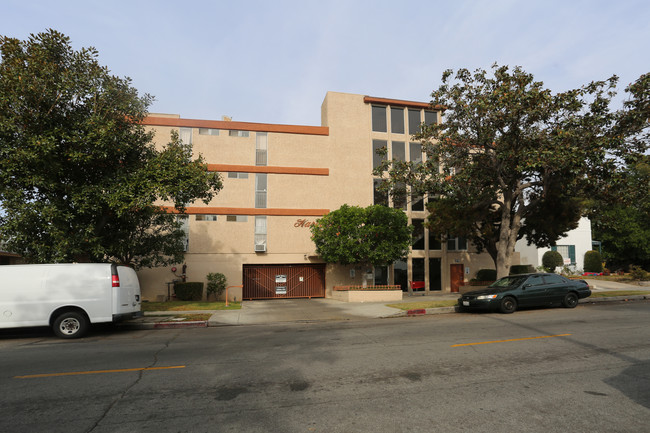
(67,297)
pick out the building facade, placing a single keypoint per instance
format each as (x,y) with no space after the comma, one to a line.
(279,179)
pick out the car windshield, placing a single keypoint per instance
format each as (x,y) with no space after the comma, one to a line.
(508,282)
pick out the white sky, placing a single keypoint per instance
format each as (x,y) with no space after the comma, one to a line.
(273,61)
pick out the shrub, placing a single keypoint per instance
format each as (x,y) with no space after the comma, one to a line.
(593,262)
(551,260)
(638,273)
(216,284)
(486,275)
(189,291)
(521,269)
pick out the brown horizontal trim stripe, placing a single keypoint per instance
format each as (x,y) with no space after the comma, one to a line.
(268,169)
(249,211)
(400,103)
(235,126)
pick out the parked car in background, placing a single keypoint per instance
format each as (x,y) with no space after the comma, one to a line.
(67,297)
(526,290)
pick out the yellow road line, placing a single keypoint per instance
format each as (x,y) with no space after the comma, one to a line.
(76,373)
(507,341)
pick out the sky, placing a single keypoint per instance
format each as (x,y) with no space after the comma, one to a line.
(274,61)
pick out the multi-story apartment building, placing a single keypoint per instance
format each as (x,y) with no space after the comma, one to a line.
(279,179)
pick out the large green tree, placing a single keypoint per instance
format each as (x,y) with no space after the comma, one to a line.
(511,159)
(621,218)
(79,174)
(352,235)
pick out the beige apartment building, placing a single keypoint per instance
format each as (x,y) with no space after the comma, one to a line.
(279,179)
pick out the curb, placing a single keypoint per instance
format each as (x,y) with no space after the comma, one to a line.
(454,309)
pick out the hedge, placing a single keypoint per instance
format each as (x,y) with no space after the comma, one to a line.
(521,269)
(189,291)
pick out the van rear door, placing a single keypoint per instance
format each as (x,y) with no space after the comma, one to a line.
(126,292)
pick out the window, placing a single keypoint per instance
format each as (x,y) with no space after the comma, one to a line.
(414,121)
(380,197)
(238,133)
(381,275)
(415,152)
(378,118)
(434,242)
(418,236)
(417,202)
(456,244)
(397,120)
(399,152)
(417,272)
(399,196)
(237,175)
(208,131)
(535,280)
(554,279)
(206,217)
(185,135)
(185,228)
(260,190)
(377,158)
(261,148)
(568,253)
(237,218)
(260,233)
(430,117)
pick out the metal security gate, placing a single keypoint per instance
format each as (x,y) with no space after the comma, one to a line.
(284,281)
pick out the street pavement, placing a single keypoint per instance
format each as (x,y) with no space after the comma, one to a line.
(325,309)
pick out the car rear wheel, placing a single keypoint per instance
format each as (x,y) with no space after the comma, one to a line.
(70,324)
(570,300)
(508,305)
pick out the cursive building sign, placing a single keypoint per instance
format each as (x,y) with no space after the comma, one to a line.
(304,223)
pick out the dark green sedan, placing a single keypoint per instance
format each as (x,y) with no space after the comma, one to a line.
(527,290)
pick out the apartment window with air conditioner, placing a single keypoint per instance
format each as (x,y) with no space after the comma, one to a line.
(260,234)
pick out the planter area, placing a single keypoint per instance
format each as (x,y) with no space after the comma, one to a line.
(367,294)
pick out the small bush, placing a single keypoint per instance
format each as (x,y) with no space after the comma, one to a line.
(521,269)
(189,291)
(638,273)
(551,260)
(216,284)
(486,275)
(593,262)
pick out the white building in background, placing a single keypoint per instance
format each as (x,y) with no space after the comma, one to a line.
(572,247)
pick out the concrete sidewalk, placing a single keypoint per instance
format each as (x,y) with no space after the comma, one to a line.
(275,311)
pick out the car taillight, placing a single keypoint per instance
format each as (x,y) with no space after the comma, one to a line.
(115,279)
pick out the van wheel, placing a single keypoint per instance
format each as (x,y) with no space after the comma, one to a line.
(70,325)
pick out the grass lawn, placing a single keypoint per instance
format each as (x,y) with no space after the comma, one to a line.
(186,317)
(607,294)
(189,306)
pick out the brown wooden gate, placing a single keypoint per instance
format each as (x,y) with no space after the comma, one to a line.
(284,281)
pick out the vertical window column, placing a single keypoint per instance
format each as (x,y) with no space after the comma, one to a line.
(260,234)
(261,148)
(260,190)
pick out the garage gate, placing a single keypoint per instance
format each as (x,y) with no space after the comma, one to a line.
(284,281)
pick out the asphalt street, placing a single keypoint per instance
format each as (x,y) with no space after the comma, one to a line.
(539,370)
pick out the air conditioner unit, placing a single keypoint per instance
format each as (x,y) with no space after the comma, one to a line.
(260,248)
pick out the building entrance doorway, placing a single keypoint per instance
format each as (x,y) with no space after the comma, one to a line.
(456,276)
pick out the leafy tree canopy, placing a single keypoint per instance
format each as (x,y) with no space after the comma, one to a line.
(512,159)
(620,218)
(79,175)
(376,235)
